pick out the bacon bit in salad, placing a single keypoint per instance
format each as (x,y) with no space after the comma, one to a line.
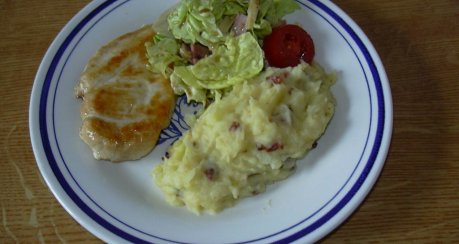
(234,126)
(274,147)
(198,52)
(211,173)
(239,24)
(277,79)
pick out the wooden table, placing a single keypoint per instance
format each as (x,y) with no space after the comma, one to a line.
(417,195)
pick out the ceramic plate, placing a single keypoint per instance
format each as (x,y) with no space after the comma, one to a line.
(120,203)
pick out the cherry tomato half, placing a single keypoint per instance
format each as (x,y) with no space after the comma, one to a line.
(287,45)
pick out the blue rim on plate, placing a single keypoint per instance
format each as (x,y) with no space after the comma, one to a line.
(383,129)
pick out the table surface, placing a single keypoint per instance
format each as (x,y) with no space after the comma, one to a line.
(417,195)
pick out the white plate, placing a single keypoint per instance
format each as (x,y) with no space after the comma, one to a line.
(119,202)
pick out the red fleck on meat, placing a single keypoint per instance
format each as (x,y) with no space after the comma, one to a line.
(234,126)
(274,147)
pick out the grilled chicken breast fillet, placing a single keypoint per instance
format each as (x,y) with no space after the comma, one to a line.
(124,106)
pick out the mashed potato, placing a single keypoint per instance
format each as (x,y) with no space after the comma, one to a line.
(248,139)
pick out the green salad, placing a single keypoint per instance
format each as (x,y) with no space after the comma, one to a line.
(206,46)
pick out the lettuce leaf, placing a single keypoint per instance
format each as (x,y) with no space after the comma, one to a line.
(271,13)
(162,54)
(239,59)
(196,21)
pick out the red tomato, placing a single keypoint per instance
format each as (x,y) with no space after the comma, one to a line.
(287,45)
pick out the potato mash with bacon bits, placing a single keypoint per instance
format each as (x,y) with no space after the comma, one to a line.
(249,139)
